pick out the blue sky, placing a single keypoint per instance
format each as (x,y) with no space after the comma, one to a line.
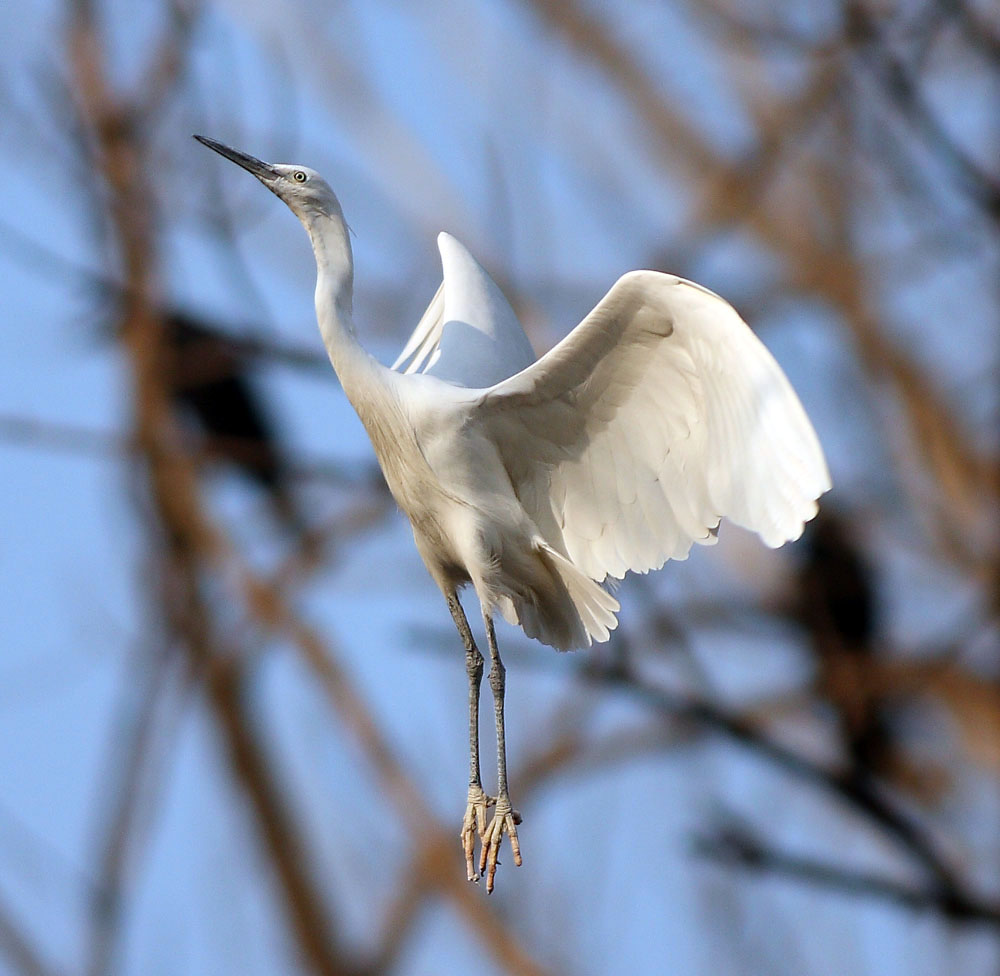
(476,119)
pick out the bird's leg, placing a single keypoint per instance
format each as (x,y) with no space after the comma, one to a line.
(505,818)
(474,822)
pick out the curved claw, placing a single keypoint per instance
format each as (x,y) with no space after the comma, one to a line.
(505,820)
(474,825)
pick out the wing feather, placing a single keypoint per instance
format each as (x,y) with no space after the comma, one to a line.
(423,346)
(469,336)
(660,414)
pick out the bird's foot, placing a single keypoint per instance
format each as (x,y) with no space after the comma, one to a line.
(505,819)
(474,825)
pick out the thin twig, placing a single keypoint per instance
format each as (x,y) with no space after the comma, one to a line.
(740,847)
(134,743)
(22,955)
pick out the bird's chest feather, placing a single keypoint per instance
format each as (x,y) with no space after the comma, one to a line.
(420,491)
(447,481)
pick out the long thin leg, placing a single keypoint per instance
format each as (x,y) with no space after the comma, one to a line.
(474,822)
(505,818)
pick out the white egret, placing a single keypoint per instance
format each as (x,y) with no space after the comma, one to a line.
(537,481)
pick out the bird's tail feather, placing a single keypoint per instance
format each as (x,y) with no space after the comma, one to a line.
(575,612)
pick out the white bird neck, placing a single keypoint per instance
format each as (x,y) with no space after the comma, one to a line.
(334,296)
(367,384)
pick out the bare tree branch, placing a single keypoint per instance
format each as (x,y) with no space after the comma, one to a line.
(23,957)
(738,846)
(902,89)
(858,793)
(134,743)
(189,537)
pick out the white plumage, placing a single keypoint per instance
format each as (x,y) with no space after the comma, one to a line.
(660,414)
(536,481)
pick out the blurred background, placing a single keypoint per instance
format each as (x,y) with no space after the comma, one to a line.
(232,702)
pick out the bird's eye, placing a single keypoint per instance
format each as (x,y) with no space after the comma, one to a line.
(299,176)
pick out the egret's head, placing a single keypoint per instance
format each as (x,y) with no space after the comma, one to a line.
(302,188)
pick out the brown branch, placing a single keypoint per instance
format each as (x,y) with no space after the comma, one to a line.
(312,920)
(966,480)
(739,29)
(193,544)
(190,540)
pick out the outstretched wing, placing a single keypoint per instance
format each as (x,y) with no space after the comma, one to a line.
(657,416)
(469,334)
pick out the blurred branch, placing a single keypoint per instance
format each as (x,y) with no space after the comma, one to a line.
(166,65)
(971,700)
(190,540)
(594,37)
(250,339)
(740,29)
(731,193)
(134,742)
(312,920)
(975,27)
(858,793)
(20,953)
(901,88)
(966,478)
(61,437)
(738,845)
(74,439)
(572,752)
(438,861)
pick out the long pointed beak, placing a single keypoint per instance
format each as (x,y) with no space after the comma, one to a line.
(264,172)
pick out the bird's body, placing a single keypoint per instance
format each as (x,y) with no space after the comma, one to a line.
(449,478)
(536,481)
